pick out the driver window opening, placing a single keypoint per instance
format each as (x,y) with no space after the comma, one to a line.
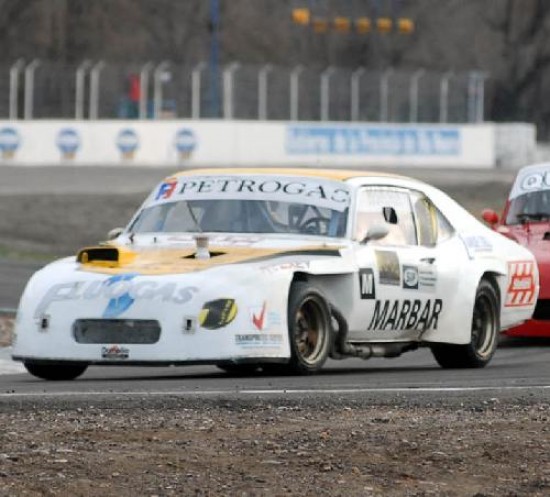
(371,202)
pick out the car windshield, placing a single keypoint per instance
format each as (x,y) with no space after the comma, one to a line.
(240,216)
(532,206)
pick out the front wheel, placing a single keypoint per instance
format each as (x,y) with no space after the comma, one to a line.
(484,336)
(55,372)
(309,328)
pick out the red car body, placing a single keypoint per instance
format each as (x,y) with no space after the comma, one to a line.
(526,220)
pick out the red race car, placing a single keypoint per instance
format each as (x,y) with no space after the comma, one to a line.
(526,219)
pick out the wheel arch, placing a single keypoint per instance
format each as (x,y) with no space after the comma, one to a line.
(498,281)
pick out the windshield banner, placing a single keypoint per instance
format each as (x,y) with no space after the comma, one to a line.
(305,190)
(531,179)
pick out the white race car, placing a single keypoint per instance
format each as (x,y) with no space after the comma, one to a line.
(277,270)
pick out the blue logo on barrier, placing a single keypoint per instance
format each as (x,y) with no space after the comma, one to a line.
(185,142)
(373,140)
(9,142)
(119,303)
(68,142)
(127,142)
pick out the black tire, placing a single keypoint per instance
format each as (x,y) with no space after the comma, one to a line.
(309,329)
(55,372)
(485,333)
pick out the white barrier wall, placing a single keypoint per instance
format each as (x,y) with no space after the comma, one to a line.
(245,143)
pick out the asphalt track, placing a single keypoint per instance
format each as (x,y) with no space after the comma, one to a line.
(519,369)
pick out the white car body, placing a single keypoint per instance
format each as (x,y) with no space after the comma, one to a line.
(231,307)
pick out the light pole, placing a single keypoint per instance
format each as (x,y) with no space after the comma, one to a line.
(295,92)
(444,96)
(214,58)
(384,94)
(325,93)
(262,92)
(144,88)
(94,89)
(354,91)
(413,95)
(29,89)
(15,71)
(79,89)
(196,90)
(158,75)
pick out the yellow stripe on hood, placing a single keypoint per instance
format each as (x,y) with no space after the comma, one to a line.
(110,259)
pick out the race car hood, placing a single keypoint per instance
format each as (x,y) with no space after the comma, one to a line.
(536,237)
(151,259)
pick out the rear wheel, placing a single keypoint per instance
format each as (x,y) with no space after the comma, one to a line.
(484,336)
(309,329)
(55,372)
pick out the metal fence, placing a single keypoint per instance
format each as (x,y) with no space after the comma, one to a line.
(97,90)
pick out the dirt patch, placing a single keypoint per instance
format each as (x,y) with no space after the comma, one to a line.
(277,450)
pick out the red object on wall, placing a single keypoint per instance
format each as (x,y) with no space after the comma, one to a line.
(135,88)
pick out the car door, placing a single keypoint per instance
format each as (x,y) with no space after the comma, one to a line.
(396,285)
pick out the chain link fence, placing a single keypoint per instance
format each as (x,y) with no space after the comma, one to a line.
(97,90)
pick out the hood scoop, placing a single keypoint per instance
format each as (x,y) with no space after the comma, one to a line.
(108,256)
(93,254)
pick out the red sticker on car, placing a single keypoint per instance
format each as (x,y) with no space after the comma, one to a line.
(521,284)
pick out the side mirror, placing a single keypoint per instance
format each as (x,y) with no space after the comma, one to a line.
(114,233)
(375,232)
(490,216)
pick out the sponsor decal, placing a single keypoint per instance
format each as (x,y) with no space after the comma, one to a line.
(410,277)
(115,352)
(536,181)
(373,140)
(521,284)
(265,185)
(476,244)
(406,314)
(217,313)
(531,181)
(68,143)
(259,340)
(389,272)
(259,317)
(122,291)
(311,191)
(262,319)
(225,240)
(427,278)
(185,143)
(9,142)
(285,266)
(119,303)
(366,284)
(166,189)
(127,142)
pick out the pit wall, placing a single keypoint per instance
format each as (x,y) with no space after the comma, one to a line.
(253,143)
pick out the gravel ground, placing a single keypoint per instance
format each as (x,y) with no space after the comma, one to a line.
(332,448)
(335,447)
